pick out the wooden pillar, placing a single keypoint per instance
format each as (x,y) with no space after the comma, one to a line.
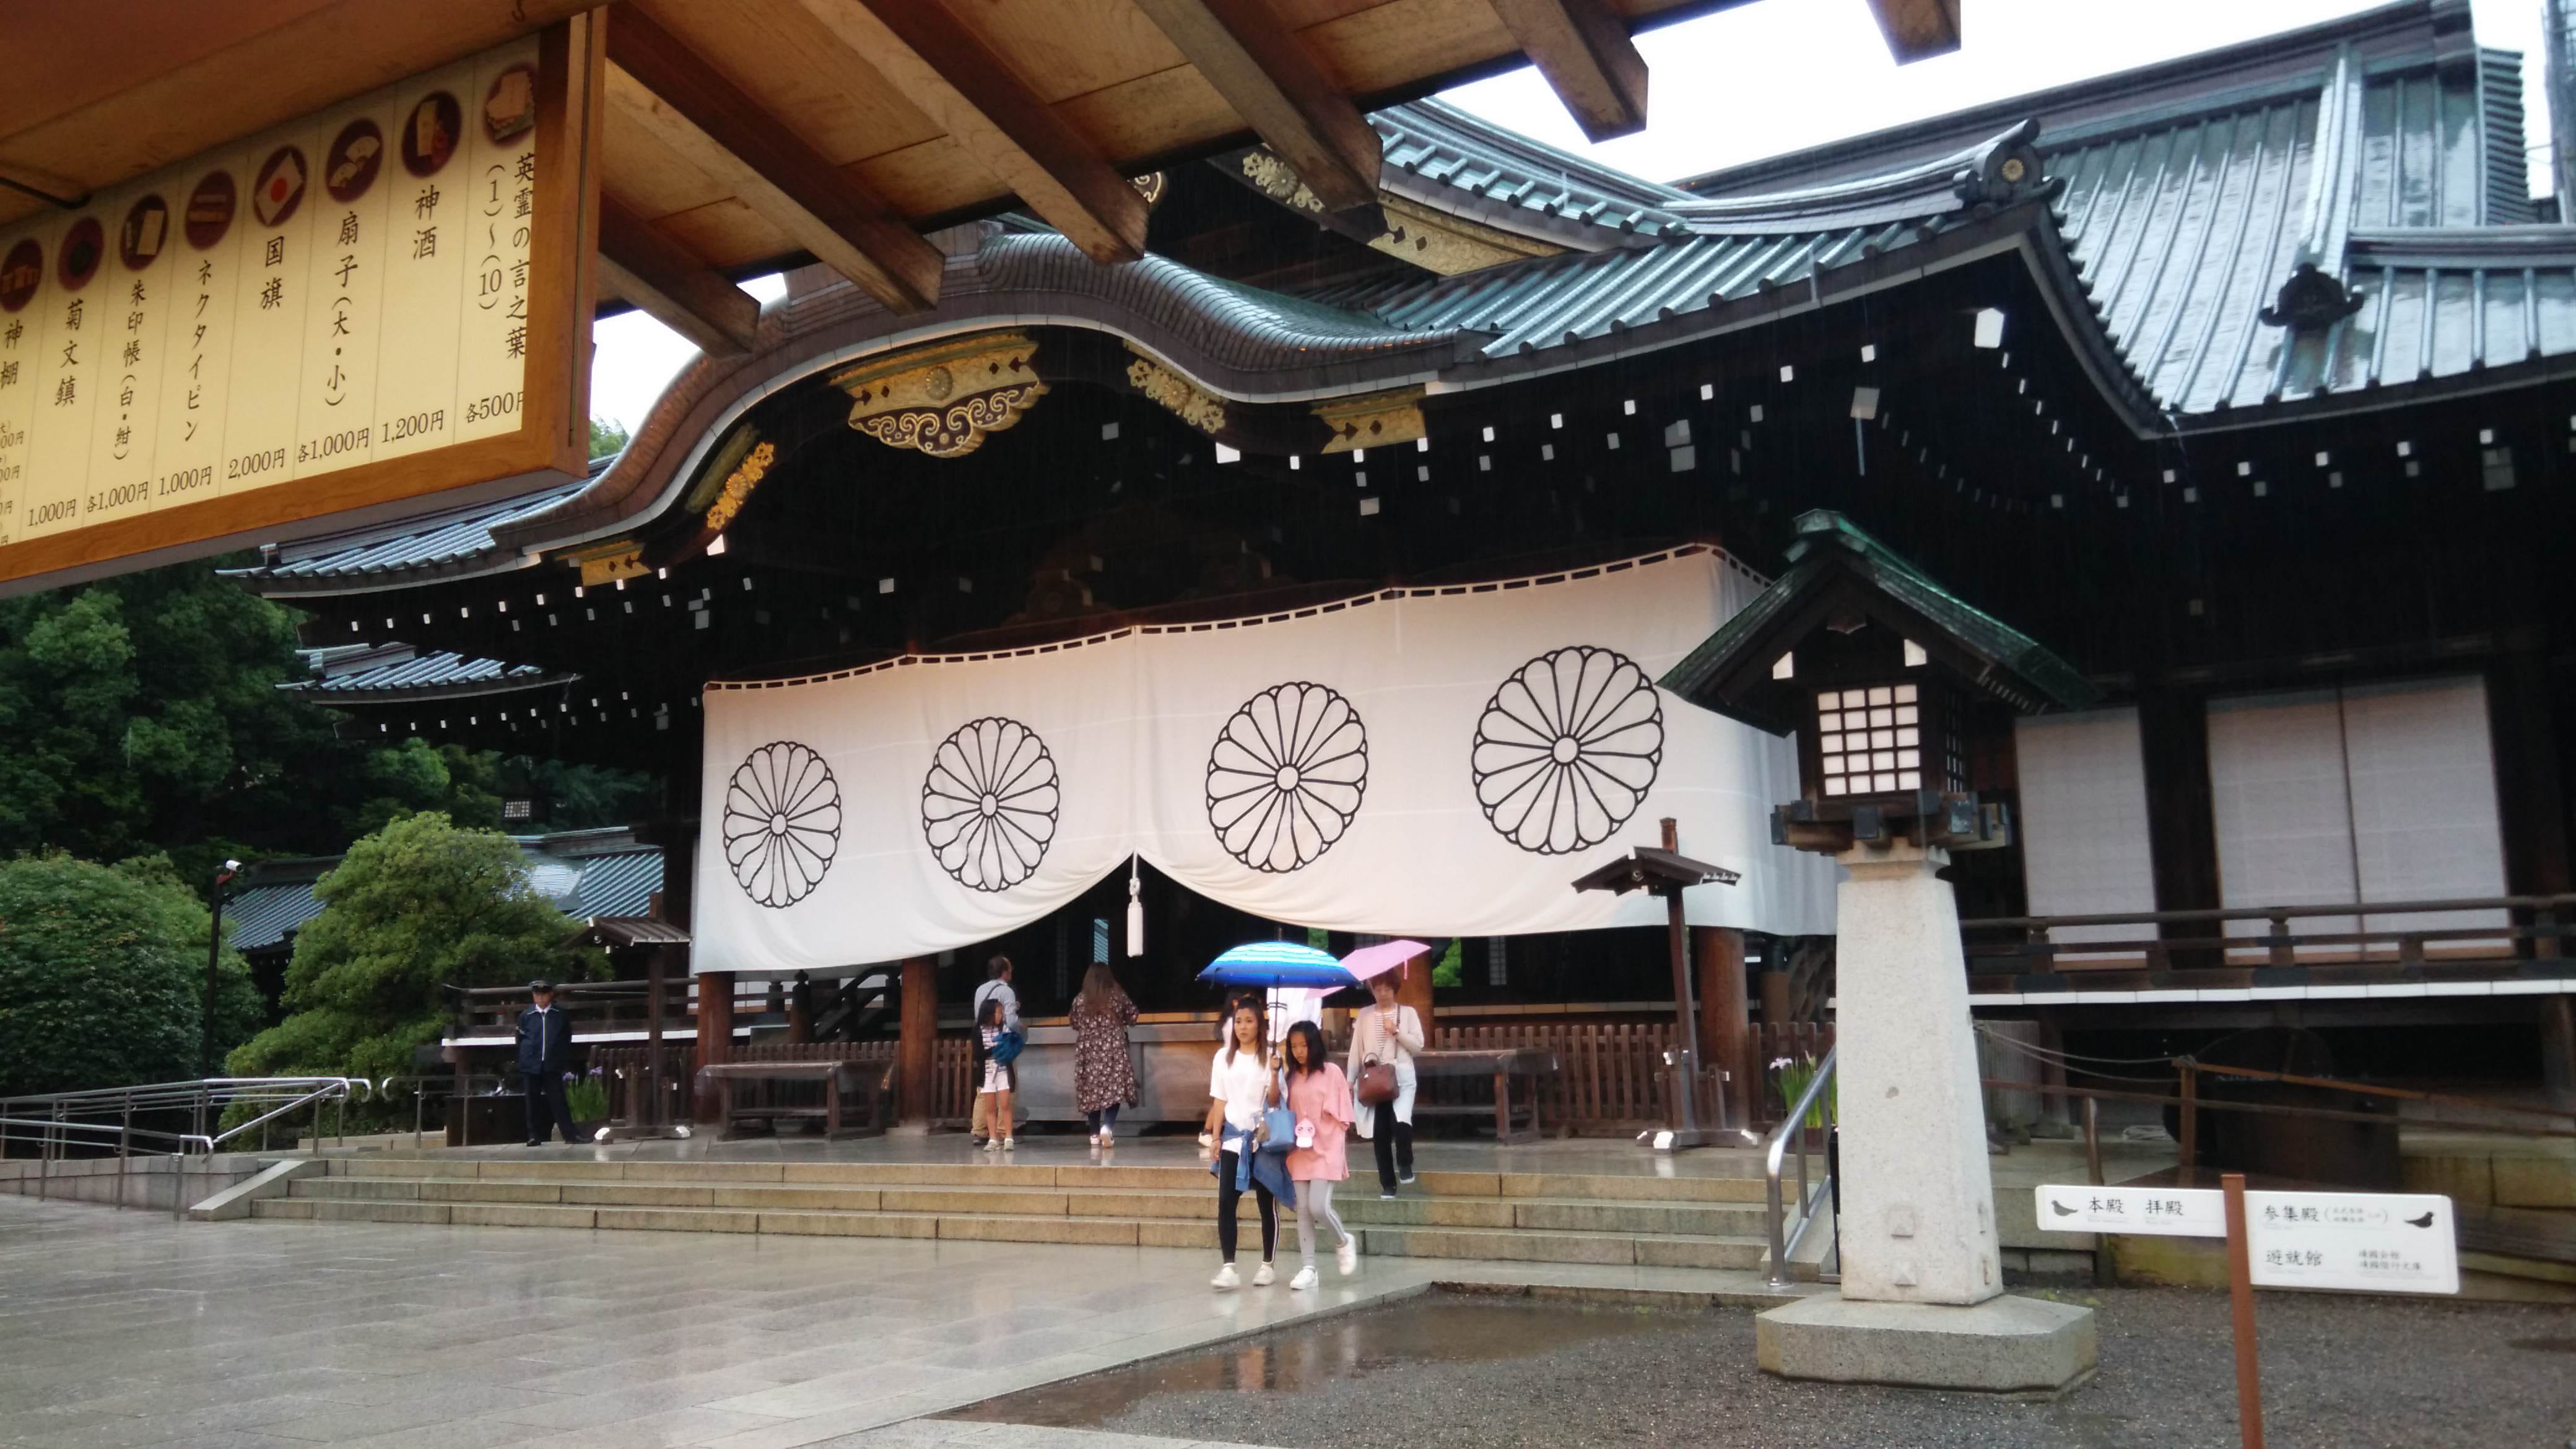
(916,1049)
(650,1083)
(2558,1050)
(1774,986)
(2530,808)
(1725,1025)
(715,1035)
(2182,817)
(1413,989)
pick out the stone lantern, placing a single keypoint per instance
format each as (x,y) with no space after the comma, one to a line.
(1885,678)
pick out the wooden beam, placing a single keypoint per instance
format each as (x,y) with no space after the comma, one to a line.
(934,61)
(692,108)
(1917,29)
(1582,48)
(1266,74)
(661,277)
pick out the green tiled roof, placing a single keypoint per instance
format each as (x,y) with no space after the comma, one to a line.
(1829,545)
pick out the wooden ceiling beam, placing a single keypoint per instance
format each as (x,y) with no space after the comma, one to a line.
(1582,48)
(1917,29)
(934,61)
(1266,74)
(660,277)
(686,104)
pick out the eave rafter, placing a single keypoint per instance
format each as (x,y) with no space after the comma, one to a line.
(665,89)
(1917,29)
(934,61)
(1265,73)
(661,277)
(1583,50)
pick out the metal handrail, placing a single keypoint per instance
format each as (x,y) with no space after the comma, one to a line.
(55,1117)
(1783,1240)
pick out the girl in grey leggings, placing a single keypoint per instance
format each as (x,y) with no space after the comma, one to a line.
(1320,1096)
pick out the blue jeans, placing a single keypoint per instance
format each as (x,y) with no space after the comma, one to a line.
(1103,1120)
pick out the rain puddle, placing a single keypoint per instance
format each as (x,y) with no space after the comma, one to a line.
(1431,1328)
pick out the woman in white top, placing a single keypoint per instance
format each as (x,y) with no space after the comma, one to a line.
(1386,1032)
(1240,1085)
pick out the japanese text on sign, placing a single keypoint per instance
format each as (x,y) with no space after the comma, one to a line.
(314,298)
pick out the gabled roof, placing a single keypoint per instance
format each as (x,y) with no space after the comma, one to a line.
(1460,163)
(395,673)
(1832,566)
(2161,212)
(602,872)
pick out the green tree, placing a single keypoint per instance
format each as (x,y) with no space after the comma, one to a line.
(143,715)
(607,435)
(103,975)
(415,907)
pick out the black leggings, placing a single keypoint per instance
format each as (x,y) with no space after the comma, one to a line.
(1228,1201)
(1394,1142)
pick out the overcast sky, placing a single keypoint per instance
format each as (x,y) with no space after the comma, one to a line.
(1781,75)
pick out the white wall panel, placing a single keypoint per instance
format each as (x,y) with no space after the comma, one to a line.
(2085,848)
(2277,787)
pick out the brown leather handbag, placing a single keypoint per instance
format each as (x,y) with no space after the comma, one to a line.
(1376,1086)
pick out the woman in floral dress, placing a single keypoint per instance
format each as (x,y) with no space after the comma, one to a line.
(1104,1076)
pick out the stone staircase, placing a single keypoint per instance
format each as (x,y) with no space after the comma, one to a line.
(1665,1222)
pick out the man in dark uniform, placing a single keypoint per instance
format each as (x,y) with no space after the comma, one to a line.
(545,1058)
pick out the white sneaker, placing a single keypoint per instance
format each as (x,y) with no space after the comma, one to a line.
(1306,1278)
(1225,1278)
(1347,1256)
(1264,1276)
(1108,1138)
(1010,1144)
(992,1144)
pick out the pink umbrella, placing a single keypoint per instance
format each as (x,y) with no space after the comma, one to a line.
(1381,958)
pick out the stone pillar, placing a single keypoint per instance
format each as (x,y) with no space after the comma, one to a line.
(1725,1025)
(1918,1194)
(715,1035)
(1922,1299)
(916,1048)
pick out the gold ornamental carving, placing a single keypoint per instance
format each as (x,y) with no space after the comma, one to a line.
(1429,239)
(738,485)
(1185,399)
(944,400)
(1372,420)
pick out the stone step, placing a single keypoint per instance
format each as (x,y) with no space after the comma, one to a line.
(1391,1240)
(1591,1186)
(1182,1204)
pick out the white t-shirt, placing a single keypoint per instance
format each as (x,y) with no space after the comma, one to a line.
(1242,1086)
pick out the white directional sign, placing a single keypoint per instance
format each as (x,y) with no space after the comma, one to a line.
(2361,1242)
(2171,1212)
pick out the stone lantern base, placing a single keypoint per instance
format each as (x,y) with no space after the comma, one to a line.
(2001,1346)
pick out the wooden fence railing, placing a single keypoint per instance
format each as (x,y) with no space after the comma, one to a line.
(951,1079)
(1611,1079)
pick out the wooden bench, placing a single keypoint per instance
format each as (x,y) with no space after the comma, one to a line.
(1504,1066)
(846,1085)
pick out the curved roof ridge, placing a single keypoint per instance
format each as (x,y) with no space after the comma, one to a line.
(1232,338)
(2002,168)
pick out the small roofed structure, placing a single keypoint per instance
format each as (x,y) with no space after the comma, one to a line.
(1881,673)
(1659,872)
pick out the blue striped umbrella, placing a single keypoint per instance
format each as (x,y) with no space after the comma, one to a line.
(1278,963)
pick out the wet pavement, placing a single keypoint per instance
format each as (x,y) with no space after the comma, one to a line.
(1434,1373)
(1434,1329)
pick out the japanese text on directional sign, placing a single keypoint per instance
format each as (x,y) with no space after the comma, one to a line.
(347,289)
(2366,1242)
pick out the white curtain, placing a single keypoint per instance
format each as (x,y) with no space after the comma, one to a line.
(2085,848)
(1426,761)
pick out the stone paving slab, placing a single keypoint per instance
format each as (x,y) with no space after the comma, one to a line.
(129,1331)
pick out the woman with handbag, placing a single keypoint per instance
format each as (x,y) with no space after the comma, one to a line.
(997,1047)
(1319,1100)
(1104,1076)
(1383,1041)
(1241,1087)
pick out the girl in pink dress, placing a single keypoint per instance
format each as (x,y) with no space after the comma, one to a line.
(1320,1096)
